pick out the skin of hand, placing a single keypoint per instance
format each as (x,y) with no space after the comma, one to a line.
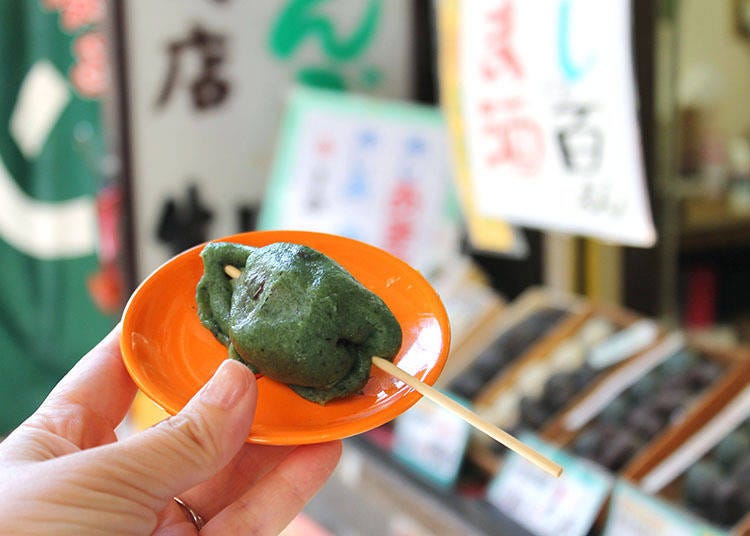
(64,472)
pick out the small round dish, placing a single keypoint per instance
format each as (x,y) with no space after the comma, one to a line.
(170,355)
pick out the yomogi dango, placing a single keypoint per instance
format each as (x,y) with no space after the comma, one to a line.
(295,316)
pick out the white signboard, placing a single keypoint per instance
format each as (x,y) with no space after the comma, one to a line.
(431,441)
(634,513)
(550,110)
(207,85)
(549,506)
(373,170)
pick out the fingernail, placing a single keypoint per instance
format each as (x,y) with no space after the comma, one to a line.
(228,385)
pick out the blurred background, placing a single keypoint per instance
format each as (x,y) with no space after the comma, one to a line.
(572,176)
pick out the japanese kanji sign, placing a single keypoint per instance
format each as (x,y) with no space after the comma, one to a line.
(207,85)
(373,170)
(549,110)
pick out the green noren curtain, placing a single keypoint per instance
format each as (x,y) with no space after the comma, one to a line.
(50,143)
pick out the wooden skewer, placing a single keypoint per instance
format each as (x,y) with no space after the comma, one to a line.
(232,271)
(470,417)
(451,405)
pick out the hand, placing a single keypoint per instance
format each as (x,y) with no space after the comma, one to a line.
(64,472)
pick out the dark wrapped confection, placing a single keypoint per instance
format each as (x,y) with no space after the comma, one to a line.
(725,507)
(502,351)
(645,421)
(615,411)
(587,444)
(700,481)
(295,316)
(644,410)
(645,386)
(742,471)
(679,363)
(667,401)
(617,451)
(489,361)
(729,451)
(533,414)
(583,376)
(703,374)
(744,498)
(559,389)
(468,384)
(523,335)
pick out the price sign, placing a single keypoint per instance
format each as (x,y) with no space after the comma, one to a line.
(565,506)
(633,513)
(549,116)
(431,441)
(373,170)
(207,86)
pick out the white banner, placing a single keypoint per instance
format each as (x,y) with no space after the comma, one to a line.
(208,82)
(370,169)
(550,109)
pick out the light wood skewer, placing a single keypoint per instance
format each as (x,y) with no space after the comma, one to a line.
(470,417)
(232,271)
(451,405)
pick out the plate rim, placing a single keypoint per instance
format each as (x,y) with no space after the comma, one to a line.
(339,431)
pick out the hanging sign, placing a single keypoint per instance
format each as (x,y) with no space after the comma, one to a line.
(373,170)
(58,238)
(485,233)
(207,82)
(549,116)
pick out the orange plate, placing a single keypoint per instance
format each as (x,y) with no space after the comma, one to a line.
(170,355)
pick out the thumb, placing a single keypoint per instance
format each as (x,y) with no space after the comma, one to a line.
(190,447)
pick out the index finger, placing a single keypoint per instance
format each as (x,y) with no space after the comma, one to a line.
(92,399)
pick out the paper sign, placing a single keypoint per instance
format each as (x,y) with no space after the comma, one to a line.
(431,441)
(633,513)
(372,170)
(485,234)
(549,106)
(546,505)
(207,86)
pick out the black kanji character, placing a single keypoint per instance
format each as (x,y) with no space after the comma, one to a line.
(208,89)
(581,144)
(183,225)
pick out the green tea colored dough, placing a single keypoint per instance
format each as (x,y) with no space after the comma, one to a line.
(295,316)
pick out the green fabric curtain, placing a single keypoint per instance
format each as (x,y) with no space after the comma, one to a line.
(50,143)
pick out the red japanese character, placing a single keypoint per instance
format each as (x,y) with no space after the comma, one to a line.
(492,107)
(500,58)
(79,13)
(398,235)
(91,48)
(519,143)
(89,74)
(404,196)
(404,204)
(75,14)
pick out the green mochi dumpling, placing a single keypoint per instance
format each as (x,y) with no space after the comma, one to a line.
(295,316)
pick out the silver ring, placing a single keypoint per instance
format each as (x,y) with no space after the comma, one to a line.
(191,514)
